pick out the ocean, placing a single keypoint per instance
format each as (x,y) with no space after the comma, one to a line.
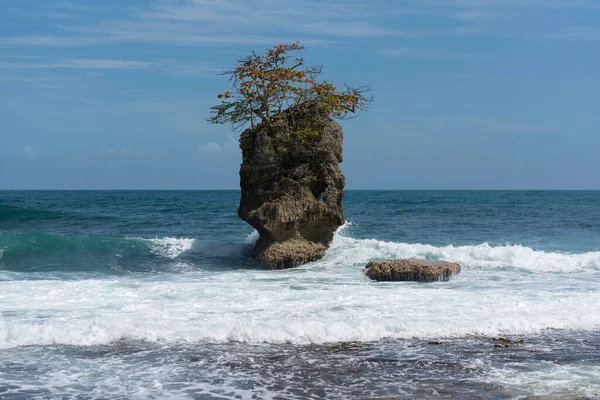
(154,295)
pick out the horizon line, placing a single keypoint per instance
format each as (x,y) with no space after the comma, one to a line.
(346,190)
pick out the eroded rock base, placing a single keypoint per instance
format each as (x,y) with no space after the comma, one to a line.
(289,254)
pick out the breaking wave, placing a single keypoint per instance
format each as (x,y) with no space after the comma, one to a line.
(348,250)
(24,249)
(37,251)
(330,300)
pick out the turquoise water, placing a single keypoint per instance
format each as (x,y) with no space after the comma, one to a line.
(154,294)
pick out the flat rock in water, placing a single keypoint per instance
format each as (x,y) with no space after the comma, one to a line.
(411,270)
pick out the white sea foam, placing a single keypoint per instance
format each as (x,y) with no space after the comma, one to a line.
(252,238)
(234,308)
(297,307)
(547,379)
(170,247)
(346,250)
(175,247)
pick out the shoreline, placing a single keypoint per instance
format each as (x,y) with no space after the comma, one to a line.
(555,363)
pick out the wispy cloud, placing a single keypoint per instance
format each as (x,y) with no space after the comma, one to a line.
(170,67)
(576,33)
(504,127)
(240,22)
(183,69)
(56,41)
(422,53)
(471,15)
(478,77)
(65,5)
(120,152)
(80,63)
(57,15)
(29,152)
(100,63)
(202,23)
(212,149)
(511,3)
(16,56)
(229,22)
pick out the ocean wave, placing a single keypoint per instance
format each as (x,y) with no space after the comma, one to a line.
(292,307)
(32,249)
(346,250)
(23,248)
(173,248)
(37,251)
(327,301)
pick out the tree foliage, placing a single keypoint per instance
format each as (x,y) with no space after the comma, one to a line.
(265,85)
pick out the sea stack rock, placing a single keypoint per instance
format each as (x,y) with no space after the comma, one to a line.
(411,270)
(292,186)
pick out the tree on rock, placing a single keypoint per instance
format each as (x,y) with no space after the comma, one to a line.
(290,180)
(265,85)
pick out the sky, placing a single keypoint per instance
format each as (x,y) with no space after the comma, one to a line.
(469,94)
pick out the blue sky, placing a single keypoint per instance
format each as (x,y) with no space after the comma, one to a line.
(470,94)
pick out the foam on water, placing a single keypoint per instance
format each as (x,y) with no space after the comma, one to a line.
(556,364)
(170,247)
(174,247)
(348,250)
(544,378)
(327,301)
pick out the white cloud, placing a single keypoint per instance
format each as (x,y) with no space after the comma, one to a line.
(184,69)
(215,149)
(19,56)
(210,148)
(471,15)
(55,41)
(90,63)
(232,145)
(121,152)
(264,22)
(576,32)
(231,22)
(512,3)
(100,63)
(171,67)
(29,152)
(504,127)
(56,15)
(426,53)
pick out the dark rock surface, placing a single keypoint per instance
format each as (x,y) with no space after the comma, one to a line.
(292,186)
(411,270)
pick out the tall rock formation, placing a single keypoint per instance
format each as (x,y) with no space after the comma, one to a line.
(292,186)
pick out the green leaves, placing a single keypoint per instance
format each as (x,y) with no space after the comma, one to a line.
(263,87)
